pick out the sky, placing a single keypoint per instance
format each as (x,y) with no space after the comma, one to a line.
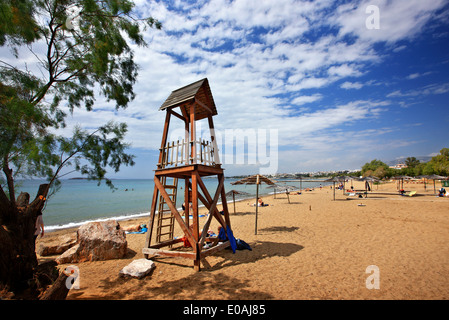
(319,85)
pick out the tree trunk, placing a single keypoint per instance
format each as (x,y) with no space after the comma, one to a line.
(17,248)
(58,291)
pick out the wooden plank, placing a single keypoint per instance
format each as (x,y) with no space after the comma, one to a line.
(175,171)
(165,243)
(217,248)
(175,212)
(169,253)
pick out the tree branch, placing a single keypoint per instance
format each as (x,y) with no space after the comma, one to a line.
(9,180)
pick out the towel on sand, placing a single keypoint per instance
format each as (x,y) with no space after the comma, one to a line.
(143,230)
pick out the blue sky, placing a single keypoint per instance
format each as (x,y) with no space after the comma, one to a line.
(337,93)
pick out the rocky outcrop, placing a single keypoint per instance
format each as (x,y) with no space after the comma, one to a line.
(60,245)
(97,241)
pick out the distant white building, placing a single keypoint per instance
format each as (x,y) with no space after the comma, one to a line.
(399,166)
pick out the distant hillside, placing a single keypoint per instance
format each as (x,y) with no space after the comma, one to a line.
(402,160)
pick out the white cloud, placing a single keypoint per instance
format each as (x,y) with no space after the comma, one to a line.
(306,99)
(398,19)
(351,85)
(266,59)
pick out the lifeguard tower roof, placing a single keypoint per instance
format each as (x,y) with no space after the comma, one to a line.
(198,92)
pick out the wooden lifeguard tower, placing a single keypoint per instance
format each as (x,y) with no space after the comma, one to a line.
(189,160)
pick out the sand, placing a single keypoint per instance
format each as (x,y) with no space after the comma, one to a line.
(312,248)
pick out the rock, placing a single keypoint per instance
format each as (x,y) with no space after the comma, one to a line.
(137,269)
(57,246)
(97,241)
(68,256)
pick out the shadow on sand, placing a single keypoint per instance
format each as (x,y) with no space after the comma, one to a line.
(210,282)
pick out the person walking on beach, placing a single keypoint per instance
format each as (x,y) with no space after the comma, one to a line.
(39,227)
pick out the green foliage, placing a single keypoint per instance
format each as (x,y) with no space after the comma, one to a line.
(412,162)
(439,164)
(83,54)
(369,168)
(17,24)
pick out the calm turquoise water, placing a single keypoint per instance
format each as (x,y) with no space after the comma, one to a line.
(79,201)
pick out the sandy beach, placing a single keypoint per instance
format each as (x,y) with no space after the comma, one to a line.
(312,248)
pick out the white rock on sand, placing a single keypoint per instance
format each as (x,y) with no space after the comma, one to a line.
(137,269)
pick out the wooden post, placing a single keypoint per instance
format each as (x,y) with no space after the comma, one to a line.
(197,249)
(257,201)
(164,140)
(152,216)
(213,139)
(186,201)
(192,134)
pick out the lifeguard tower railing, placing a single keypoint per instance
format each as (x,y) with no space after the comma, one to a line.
(179,153)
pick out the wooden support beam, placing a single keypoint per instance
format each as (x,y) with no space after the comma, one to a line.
(186,201)
(164,138)
(212,208)
(213,139)
(207,202)
(218,247)
(152,216)
(202,105)
(224,202)
(195,224)
(175,212)
(192,134)
(177,115)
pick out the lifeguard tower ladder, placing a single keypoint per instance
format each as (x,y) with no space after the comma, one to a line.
(189,160)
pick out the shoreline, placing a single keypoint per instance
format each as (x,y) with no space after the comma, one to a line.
(76,225)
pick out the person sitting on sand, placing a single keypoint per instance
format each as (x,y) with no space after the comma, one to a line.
(136,228)
(260,203)
(442,192)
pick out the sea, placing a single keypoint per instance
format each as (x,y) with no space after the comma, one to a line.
(79,201)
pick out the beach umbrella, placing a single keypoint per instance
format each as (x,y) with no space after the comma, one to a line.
(287,190)
(255,179)
(273,186)
(425,177)
(344,178)
(300,181)
(435,177)
(234,192)
(333,180)
(401,180)
(367,181)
